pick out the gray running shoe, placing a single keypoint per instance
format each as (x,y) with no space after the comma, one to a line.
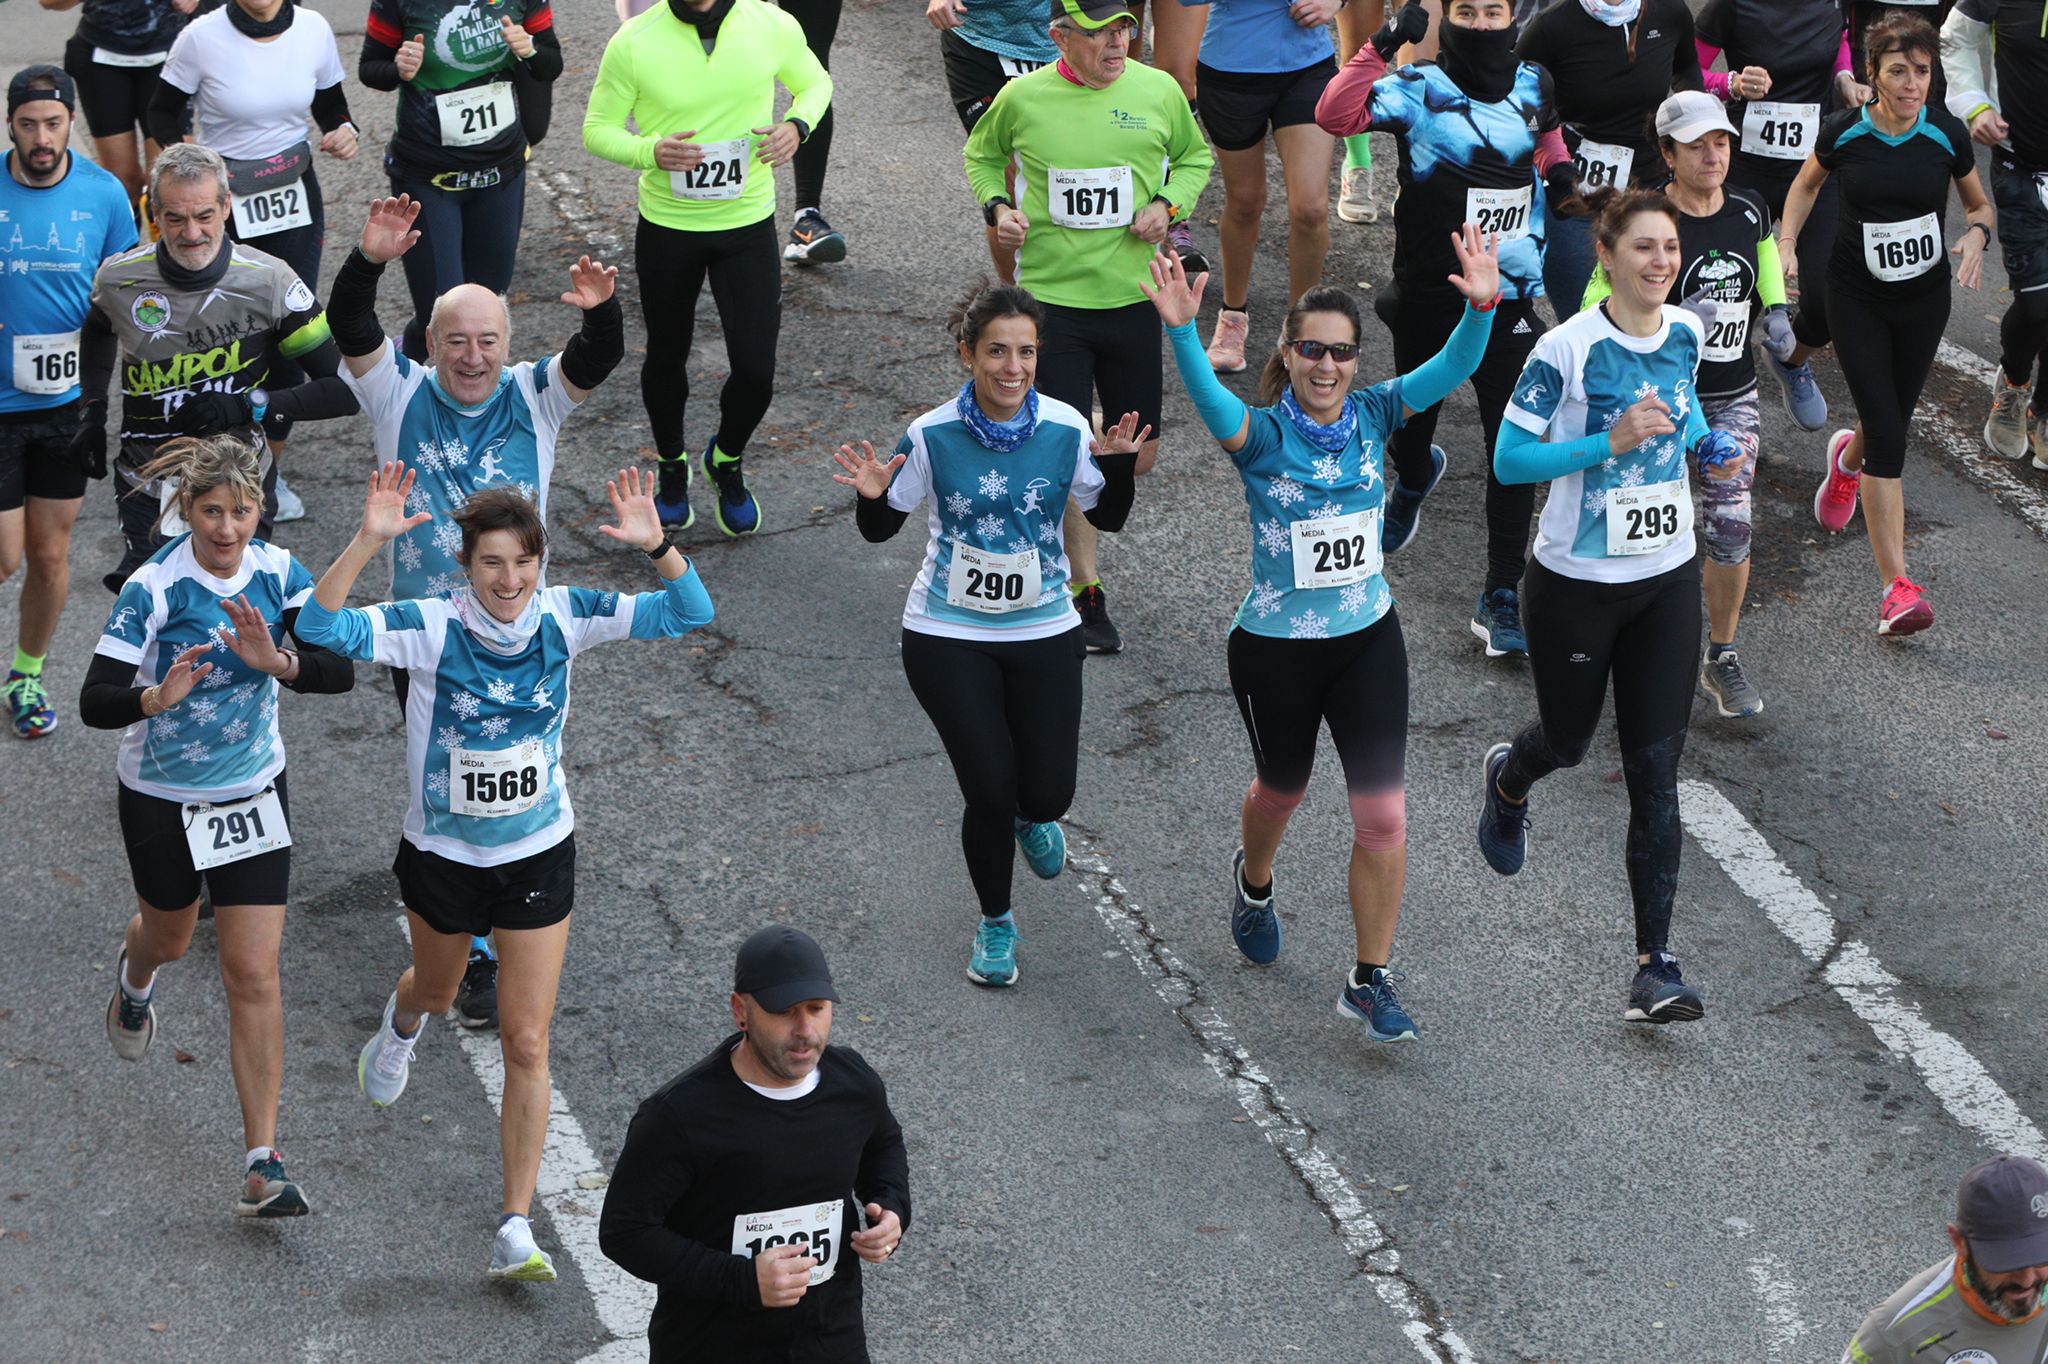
(1805,404)
(2038,439)
(131,1027)
(514,1256)
(2005,429)
(1734,694)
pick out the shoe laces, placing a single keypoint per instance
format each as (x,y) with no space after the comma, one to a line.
(998,937)
(134,1013)
(1035,839)
(1904,592)
(1505,607)
(269,1168)
(1662,966)
(27,691)
(396,1053)
(2007,398)
(1232,327)
(1381,990)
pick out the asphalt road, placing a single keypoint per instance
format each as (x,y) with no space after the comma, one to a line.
(1148,1151)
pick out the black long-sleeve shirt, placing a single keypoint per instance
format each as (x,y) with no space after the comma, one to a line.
(1609,80)
(706,1152)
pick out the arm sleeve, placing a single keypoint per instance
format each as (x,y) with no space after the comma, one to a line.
(1696,427)
(1770,271)
(352,305)
(1598,287)
(801,73)
(377,67)
(1523,456)
(1222,411)
(1716,81)
(110,699)
(653,1174)
(1550,151)
(1843,61)
(597,347)
(681,606)
(165,118)
(99,350)
(1119,489)
(876,519)
(330,108)
(611,104)
(1345,108)
(1430,382)
(323,394)
(1685,56)
(884,1175)
(546,62)
(987,153)
(347,632)
(1972,81)
(321,671)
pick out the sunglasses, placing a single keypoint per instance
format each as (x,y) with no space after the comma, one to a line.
(1312,351)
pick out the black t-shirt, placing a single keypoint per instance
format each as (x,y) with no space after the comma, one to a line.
(1720,267)
(1797,41)
(1888,183)
(2020,61)
(1610,80)
(132,28)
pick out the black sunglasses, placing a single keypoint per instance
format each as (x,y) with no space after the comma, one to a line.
(1312,351)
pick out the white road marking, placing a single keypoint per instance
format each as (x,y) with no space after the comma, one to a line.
(1772,1280)
(1955,433)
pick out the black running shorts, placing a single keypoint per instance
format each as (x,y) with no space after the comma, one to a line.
(456,898)
(1239,106)
(974,75)
(35,456)
(160,862)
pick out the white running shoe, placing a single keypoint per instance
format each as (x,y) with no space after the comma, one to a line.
(386,1062)
(131,1027)
(2005,429)
(289,506)
(514,1256)
(1355,200)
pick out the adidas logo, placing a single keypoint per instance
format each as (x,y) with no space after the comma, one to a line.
(1521,327)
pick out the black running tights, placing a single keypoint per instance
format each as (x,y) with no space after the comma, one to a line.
(819,19)
(744,265)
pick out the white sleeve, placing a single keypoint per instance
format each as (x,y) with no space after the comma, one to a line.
(913,482)
(1087,487)
(550,405)
(327,68)
(381,393)
(185,68)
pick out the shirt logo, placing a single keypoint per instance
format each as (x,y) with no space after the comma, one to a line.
(1971,1357)
(2040,1205)
(151,311)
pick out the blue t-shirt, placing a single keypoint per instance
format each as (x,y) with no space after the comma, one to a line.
(222,742)
(1261,36)
(1010,28)
(51,244)
(1315,517)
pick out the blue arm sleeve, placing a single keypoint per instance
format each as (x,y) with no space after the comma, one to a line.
(1696,427)
(680,607)
(1436,378)
(345,632)
(1222,411)
(1521,456)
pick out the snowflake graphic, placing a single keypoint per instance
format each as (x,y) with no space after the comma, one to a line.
(1607,422)
(1329,511)
(494,726)
(441,584)
(427,458)
(501,691)
(1595,500)
(1020,545)
(1265,599)
(553,720)
(1610,466)
(163,729)
(1274,538)
(438,784)
(529,492)
(409,555)
(447,537)
(204,710)
(264,712)
(1352,598)
(196,754)
(959,532)
(1285,491)
(219,635)
(454,453)
(465,705)
(242,695)
(959,504)
(1048,532)
(994,484)
(235,731)
(418,500)
(1645,389)
(449,737)
(1632,477)
(1309,625)
(1381,598)
(1329,468)
(989,527)
(1047,596)
(221,677)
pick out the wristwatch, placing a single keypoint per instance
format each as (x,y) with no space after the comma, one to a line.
(988,210)
(259,403)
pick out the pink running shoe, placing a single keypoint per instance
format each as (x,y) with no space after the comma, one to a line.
(1905,611)
(1834,506)
(1226,349)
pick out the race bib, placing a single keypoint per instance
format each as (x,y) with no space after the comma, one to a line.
(1727,330)
(1647,518)
(220,834)
(982,580)
(1014,67)
(722,174)
(1895,252)
(814,1226)
(475,115)
(2041,188)
(1090,198)
(497,783)
(102,57)
(1603,164)
(46,364)
(1784,131)
(272,210)
(1337,551)
(1505,211)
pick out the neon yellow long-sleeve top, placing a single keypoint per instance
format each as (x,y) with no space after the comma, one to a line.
(656,71)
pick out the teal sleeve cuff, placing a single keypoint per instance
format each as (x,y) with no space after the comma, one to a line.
(1521,456)
(1222,411)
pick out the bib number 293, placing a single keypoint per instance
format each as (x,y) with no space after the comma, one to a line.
(1647,518)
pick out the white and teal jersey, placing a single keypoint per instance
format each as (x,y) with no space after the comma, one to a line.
(1009,28)
(1316,521)
(1630,517)
(52,241)
(996,567)
(222,742)
(483,729)
(506,441)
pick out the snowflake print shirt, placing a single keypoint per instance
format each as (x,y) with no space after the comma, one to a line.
(222,743)
(466,695)
(1581,376)
(1288,479)
(506,441)
(1001,503)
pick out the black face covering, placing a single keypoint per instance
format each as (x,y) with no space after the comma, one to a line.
(252,27)
(705,21)
(1481,61)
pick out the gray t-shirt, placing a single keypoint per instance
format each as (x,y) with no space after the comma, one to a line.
(1938,1319)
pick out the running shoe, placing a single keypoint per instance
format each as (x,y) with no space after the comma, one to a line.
(994,960)
(812,241)
(131,1027)
(2005,429)
(270,1192)
(476,1003)
(738,513)
(1181,237)
(2038,439)
(1658,994)
(1226,347)
(29,703)
(1045,847)
(289,505)
(514,1256)
(1253,923)
(1377,1006)
(1404,505)
(386,1061)
(1834,502)
(1356,202)
(1503,827)
(1098,631)
(1905,610)
(1805,404)
(1497,619)
(672,494)
(1734,695)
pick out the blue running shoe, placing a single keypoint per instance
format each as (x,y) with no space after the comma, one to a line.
(672,498)
(1404,505)
(1377,1006)
(738,512)
(1805,404)
(1658,994)
(1045,847)
(1497,620)
(1503,828)
(34,716)
(994,961)
(1253,923)
(813,241)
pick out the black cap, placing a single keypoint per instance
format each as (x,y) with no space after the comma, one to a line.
(781,967)
(32,83)
(1091,14)
(2002,1211)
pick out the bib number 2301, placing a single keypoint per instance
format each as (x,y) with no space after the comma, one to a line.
(812,1227)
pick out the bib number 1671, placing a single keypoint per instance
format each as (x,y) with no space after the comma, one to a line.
(1093,201)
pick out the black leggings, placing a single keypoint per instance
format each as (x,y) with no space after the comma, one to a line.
(467,236)
(1421,323)
(1009,714)
(1647,635)
(1885,348)
(745,268)
(819,19)
(298,247)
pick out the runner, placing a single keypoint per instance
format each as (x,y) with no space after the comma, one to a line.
(1317,640)
(1121,143)
(2002,93)
(985,45)
(1357,22)
(1613,62)
(706,146)
(203,804)
(1864,15)
(463,132)
(992,643)
(1728,269)
(1177,30)
(1607,412)
(201,326)
(812,240)
(489,843)
(778,1121)
(68,215)
(248,75)
(1887,289)
(1476,131)
(1788,64)
(116,56)
(1263,66)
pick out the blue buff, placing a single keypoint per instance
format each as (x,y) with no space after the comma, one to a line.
(1222,411)
(1436,378)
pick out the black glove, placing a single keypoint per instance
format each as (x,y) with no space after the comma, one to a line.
(209,414)
(1409,25)
(89,441)
(1561,190)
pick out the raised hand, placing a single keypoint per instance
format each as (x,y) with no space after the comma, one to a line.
(389,232)
(1479,259)
(1648,419)
(384,515)
(250,640)
(633,505)
(1169,290)
(516,38)
(412,54)
(865,474)
(179,681)
(1124,438)
(590,283)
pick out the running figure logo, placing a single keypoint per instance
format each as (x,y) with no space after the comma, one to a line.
(489,467)
(1032,502)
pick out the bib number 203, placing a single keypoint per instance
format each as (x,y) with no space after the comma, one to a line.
(1651,523)
(496,788)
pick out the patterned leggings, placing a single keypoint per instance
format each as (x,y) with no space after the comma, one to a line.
(1725,503)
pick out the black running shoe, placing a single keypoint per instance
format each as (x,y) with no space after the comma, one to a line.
(1098,631)
(269,1191)
(813,241)
(1658,994)
(1503,827)
(476,1003)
